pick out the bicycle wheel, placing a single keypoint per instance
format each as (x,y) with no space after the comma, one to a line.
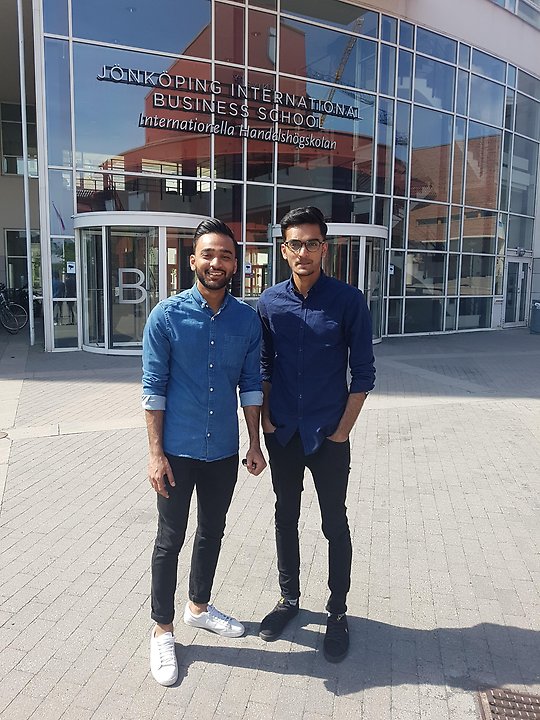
(8,319)
(20,315)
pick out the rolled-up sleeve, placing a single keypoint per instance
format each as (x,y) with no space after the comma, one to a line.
(155,356)
(360,341)
(249,383)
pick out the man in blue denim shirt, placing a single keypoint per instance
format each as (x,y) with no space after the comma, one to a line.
(198,348)
(314,328)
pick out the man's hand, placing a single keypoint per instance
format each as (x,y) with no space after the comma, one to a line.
(158,468)
(267,426)
(254,461)
(338,437)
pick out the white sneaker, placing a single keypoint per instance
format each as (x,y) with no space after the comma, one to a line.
(215,621)
(163,664)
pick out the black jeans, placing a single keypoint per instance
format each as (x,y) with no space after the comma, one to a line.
(214,483)
(330,467)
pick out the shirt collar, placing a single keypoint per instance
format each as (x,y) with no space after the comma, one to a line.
(195,293)
(321,280)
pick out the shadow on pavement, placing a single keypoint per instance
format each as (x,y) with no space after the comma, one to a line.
(384,655)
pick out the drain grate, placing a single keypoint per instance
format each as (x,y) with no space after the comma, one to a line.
(503,704)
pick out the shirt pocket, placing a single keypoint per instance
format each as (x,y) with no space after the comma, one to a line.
(234,351)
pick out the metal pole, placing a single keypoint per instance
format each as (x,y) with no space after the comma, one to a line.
(22,75)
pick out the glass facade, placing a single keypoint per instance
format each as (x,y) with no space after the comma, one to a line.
(372,118)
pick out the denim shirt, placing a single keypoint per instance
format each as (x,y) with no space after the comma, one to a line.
(193,363)
(308,345)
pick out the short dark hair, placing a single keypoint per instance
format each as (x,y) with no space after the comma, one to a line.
(213,225)
(310,215)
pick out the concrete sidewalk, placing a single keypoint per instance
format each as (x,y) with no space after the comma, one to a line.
(444,507)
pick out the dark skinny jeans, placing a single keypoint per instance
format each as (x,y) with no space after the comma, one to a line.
(214,483)
(330,466)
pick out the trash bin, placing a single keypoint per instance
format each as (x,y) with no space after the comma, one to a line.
(534,322)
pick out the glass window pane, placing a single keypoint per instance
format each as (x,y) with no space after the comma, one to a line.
(462,95)
(61,202)
(228,149)
(257,269)
(12,139)
(137,24)
(228,207)
(428,226)
(423,315)
(483,165)
(262,38)
(520,232)
(487,101)
(55,16)
(451,313)
(474,313)
(509,109)
(404,80)
(16,242)
(512,75)
(425,273)
(230,44)
(434,84)
(528,117)
(488,65)
(479,231)
(464,55)
(430,163)
(436,45)
(58,102)
(362,209)
(258,213)
(179,250)
(395,308)
(384,146)
(387,76)
(455,228)
(505,172)
(335,207)
(396,275)
(459,160)
(476,275)
(314,52)
(529,84)
(401,160)
(399,223)
(11,112)
(128,136)
(453,273)
(524,176)
(389,29)
(260,153)
(270,4)
(103,191)
(406,34)
(342,157)
(333,12)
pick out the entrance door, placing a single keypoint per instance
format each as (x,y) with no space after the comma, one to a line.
(517,283)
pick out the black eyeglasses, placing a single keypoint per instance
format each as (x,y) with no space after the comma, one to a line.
(297,245)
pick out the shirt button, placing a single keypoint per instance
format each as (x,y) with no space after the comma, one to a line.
(211,412)
(211,342)
(211,364)
(211,389)
(207,434)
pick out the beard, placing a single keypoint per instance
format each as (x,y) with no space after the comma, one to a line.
(213,283)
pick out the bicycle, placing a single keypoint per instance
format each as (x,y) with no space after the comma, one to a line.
(12,315)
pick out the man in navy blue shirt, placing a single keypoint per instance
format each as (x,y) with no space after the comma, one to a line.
(198,348)
(314,329)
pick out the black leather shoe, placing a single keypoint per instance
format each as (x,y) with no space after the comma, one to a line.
(274,623)
(336,640)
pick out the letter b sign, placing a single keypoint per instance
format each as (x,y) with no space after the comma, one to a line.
(137,292)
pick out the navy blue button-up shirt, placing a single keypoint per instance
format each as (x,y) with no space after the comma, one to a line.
(193,363)
(308,344)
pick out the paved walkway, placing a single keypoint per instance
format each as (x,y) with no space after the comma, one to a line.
(444,506)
